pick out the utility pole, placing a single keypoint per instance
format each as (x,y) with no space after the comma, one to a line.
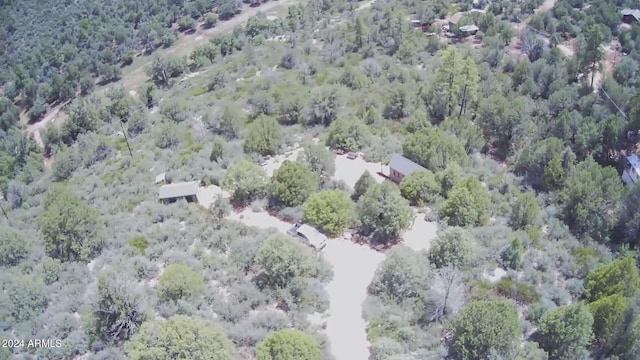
(5,214)
(125,138)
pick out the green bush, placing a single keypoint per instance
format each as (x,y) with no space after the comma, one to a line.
(617,277)
(607,315)
(71,229)
(180,338)
(330,210)
(420,187)
(467,203)
(14,246)
(139,243)
(179,281)
(289,344)
(484,327)
(293,183)
(453,247)
(565,331)
(520,292)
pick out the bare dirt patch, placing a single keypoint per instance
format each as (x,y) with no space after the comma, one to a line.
(350,171)
(261,220)
(567,47)
(365,5)
(54,114)
(421,233)
(274,163)
(495,275)
(208,194)
(545,6)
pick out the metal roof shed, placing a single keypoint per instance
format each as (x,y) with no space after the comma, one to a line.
(179,190)
(403,165)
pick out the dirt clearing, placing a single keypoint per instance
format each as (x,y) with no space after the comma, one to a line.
(421,233)
(261,220)
(35,129)
(272,164)
(350,171)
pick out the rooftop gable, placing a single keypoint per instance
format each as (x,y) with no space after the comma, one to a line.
(177,190)
(403,165)
(469,28)
(634,161)
(633,12)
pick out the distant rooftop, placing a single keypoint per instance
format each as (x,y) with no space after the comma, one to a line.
(633,12)
(634,161)
(403,165)
(469,28)
(161,177)
(178,190)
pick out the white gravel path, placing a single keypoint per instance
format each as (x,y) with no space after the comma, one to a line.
(353,266)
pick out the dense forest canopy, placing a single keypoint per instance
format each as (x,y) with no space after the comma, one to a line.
(520,133)
(52,50)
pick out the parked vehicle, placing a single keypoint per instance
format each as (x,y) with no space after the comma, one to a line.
(308,235)
(352,155)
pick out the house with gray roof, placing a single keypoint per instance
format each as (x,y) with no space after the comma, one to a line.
(400,166)
(184,190)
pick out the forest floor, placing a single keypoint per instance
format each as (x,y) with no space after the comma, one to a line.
(207,195)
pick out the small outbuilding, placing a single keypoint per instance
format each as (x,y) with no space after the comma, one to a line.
(161,178)
(400,166)
(186,190)
(630,16)
(454,28)
(631,173)
(468,30)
